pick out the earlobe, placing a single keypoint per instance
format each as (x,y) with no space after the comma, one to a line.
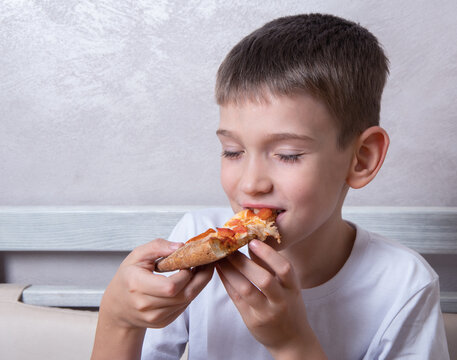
(370,151)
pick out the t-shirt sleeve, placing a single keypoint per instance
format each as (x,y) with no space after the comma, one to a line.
(416,331)
(169,343)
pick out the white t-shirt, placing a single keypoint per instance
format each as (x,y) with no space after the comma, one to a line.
(383,304)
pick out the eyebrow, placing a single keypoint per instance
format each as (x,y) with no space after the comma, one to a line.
(226,133)
(289,136)
(273,137)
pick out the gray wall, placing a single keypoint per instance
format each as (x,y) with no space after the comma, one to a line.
(111,102)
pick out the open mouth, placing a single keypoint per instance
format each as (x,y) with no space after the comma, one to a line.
(276,210)
(280,214)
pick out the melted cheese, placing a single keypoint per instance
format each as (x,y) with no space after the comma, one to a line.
(257,226)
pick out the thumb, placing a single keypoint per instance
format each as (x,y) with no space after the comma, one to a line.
(153,250)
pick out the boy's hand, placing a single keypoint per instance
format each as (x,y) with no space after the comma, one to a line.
(137,298)
(267,294)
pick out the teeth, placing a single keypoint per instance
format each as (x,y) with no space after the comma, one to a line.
(255,210)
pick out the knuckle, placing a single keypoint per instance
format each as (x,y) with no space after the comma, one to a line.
(140,305)
(170,289)
(131,283)
(258,321)
(285,269)
(245,290)
(266,282)
(236,297)
(190,293)
(152,318)
(133,253)
(137,253)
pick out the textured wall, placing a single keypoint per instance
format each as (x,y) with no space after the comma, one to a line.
(111,102)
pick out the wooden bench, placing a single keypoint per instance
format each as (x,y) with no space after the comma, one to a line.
(103,231)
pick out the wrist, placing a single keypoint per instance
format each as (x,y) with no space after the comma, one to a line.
(116,340)
(113,315)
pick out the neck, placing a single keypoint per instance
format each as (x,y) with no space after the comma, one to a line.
(321,256)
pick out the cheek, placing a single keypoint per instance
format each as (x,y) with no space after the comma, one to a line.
(336,175)
(228,179)
(307,197)
(326,190)
(311,190)
(300,184)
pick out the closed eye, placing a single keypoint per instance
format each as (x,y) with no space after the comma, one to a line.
(290,158)
(231,154)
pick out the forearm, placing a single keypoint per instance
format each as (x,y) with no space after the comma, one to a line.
(114,342)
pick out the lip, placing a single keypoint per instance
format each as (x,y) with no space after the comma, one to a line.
(261,206)
(280,217)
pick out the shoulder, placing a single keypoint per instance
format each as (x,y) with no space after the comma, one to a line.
(390,260)
(407,297)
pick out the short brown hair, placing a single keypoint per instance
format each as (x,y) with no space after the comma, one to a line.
(337,61)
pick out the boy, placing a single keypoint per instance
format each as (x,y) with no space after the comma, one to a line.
(299,112)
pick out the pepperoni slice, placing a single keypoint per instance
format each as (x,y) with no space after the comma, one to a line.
(240,229)
(225,232)
(265,213)
(250,213)
(201,236)
(234,222)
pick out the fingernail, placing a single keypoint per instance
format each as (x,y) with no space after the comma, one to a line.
(254,244)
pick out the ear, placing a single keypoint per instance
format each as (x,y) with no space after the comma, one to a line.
(369,153)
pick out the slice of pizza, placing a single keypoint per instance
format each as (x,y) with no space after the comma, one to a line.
(215,244)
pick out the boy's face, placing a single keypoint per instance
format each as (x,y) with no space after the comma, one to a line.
(283,154)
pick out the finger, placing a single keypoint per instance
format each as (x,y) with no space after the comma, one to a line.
(173,315)
(158,318)
(177,289)
(152,250)
(280,266)
(189,291)
(260,262)
(240,304)
(259,276)
(202,275)
(244,288)
(160,285)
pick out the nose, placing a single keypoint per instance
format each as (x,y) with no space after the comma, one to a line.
(255,179)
